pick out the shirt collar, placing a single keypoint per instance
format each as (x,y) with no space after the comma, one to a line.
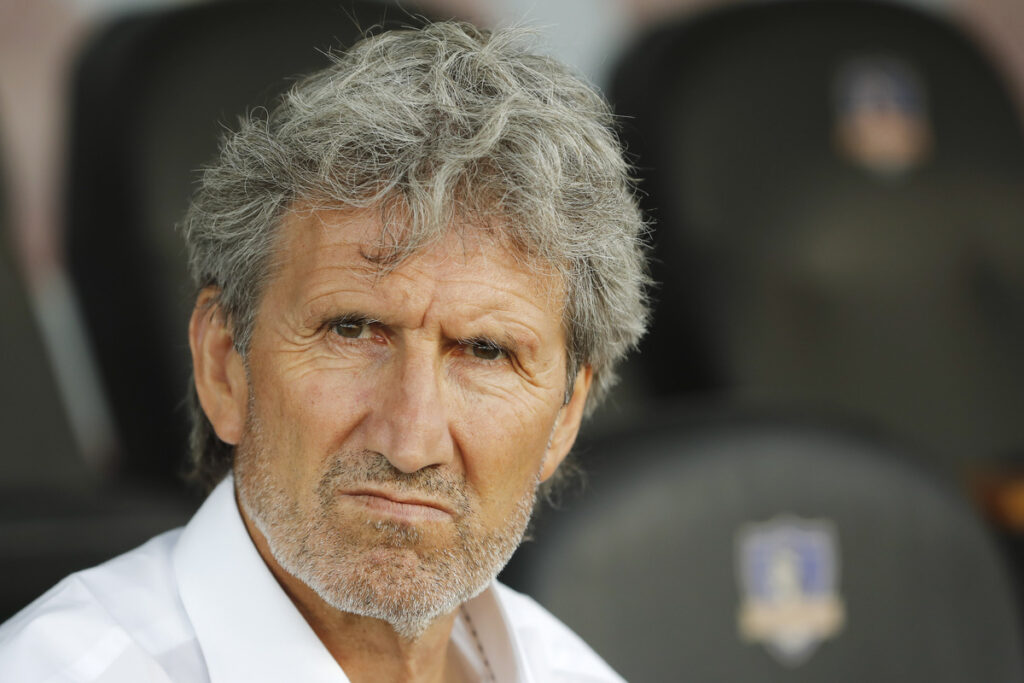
(248,628)
(494,637)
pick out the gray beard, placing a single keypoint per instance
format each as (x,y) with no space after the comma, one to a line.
(351,569)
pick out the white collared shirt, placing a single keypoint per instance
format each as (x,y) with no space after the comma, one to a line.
(198,604)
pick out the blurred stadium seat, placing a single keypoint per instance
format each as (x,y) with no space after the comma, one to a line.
(56,515)
(743,547)
(152,94)
(838,196)
(38,445)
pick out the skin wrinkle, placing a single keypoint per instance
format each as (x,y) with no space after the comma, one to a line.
(322,303)
(313,355)
(551,294)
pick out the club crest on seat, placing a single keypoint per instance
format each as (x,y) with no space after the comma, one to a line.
(788,572)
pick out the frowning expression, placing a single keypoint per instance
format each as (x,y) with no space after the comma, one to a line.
(396,425)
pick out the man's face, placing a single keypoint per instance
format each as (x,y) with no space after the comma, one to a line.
(396,426)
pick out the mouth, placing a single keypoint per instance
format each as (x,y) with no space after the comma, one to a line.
(402,507)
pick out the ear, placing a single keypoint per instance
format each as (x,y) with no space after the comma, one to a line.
(567,424)
(220,377)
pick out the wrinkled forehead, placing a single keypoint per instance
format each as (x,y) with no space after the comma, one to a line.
(378,242)
(387,236)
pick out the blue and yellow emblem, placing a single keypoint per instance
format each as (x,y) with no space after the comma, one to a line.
(788,573)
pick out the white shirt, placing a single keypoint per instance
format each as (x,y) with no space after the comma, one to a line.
(198,604)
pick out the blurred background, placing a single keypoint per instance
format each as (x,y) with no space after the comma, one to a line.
(813,469)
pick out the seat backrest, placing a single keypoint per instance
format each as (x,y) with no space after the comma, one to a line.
(838,190)
(153,93)
(38,446)
(745,548)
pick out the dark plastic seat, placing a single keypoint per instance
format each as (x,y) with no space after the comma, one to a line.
(839,217)
(38,447)
(766,549)
(151,97)
(56,514)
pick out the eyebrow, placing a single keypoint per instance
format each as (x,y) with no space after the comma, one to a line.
(355,317)
(519,344)
(314,313)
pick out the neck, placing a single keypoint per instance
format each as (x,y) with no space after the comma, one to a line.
(367,649)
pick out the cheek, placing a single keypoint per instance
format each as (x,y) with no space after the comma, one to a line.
(308,416)
(502,448)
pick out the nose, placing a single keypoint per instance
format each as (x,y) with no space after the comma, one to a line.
(409,423)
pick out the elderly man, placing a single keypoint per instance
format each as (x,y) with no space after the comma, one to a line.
(415,277)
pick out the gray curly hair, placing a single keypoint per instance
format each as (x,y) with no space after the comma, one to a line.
(432,125)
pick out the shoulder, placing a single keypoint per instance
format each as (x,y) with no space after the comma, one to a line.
(121,614)
(552,650)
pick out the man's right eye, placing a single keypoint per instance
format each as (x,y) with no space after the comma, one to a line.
(352,329)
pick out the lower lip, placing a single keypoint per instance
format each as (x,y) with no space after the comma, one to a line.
(408,512)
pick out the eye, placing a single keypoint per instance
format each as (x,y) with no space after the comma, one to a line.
(486,350)
(352,328)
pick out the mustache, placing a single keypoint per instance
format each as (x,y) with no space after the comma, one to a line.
(349,470)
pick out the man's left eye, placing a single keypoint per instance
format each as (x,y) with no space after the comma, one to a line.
(486,351)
